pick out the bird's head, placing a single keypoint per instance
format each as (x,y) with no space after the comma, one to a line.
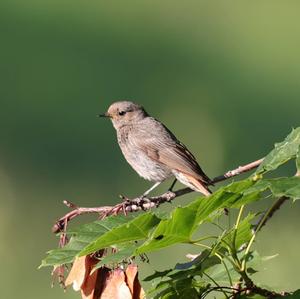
(124,113)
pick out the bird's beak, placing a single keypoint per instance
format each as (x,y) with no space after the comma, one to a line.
(106,114)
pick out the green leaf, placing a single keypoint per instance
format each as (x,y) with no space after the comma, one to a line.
(219,273)
(289,187)
(203,257)
(157,274)
(185,220)
(57,257)
(201,263)
(242,234)
(82,236)
(181,289)
(294,295)
(136,229)
(283,152)
(175,281)
(123,253)
(253,296)
(185,287)
(298,162)
(177,229)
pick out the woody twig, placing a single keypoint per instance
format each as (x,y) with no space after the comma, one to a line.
(141,203)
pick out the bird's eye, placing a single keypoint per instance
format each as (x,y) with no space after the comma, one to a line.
(122,112)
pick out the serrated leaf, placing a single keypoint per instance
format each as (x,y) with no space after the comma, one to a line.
(81,237)
(136,229)
(219,273)
(283,152)
(242,234)
(157,274)
(181,276)
(181,289)
(181,283)
(57,257)
(176,281)
(289,187)
(177,229)
(94,236)
(185,220)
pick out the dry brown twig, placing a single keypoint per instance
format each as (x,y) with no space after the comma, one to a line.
(141,203)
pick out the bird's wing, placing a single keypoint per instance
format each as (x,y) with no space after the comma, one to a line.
(159,144)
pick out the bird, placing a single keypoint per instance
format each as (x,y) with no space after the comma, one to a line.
(152,149)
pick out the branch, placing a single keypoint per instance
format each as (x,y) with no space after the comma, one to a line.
(142,203)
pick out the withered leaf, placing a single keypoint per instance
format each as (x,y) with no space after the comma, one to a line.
(133,282)
(116,287)
(80,270)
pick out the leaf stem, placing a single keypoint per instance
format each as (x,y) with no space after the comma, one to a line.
(209,277)
(234,251)
(228,273)
(204,238)
(239,216)
(257,229)
(218,254)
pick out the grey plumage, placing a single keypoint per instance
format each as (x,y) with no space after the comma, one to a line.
(152,150)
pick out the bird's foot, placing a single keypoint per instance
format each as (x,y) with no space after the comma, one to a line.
(144,199)
(138,200)
(125,198)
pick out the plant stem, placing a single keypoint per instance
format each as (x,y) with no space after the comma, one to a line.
(209,277)
(239,217)
(257,229)
(217,254)
(205,238)
(234,251)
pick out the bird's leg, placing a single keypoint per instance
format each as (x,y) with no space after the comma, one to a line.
(142,198)
(152,188)
(172,186)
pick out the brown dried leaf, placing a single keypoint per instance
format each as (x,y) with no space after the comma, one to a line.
(133,282)
(104,283)
(94,284)
(81,269)
(77,274)
(131,273)
(116,287)
(88,288)
(58,274)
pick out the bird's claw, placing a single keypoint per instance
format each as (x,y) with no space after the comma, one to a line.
(139,201)
(124,198)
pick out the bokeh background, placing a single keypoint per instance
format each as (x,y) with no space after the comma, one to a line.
(224,76)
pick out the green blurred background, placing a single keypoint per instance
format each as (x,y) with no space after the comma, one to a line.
(223,75)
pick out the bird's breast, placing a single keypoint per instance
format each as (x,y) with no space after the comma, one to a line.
(146,167)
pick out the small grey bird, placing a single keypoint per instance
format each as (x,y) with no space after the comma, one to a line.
(152,150)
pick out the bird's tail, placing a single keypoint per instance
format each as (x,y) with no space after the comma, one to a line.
(199,185)
(192,182)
